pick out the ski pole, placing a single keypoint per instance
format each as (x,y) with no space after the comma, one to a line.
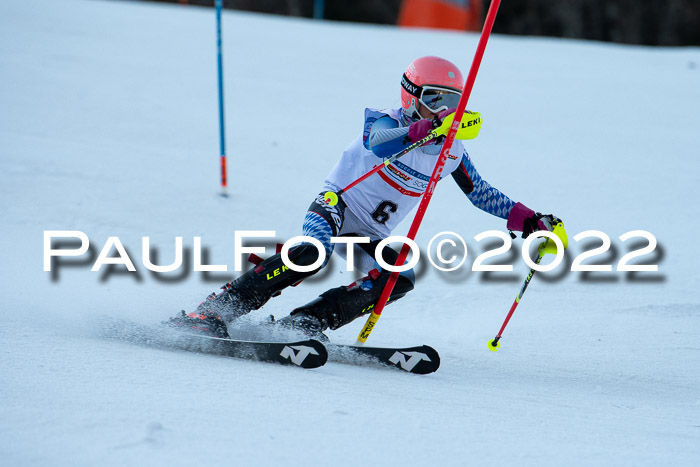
(439,165)
(494,345)
(331,197)
(560,241)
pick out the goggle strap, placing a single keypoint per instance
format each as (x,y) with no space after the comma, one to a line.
(410,87)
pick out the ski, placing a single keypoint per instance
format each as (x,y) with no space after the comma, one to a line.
(420,360)
(308,353)
(304,353)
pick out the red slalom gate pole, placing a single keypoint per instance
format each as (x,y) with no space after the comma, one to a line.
(439,166)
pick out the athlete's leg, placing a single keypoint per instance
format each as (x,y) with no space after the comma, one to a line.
(268,278)
(341,305)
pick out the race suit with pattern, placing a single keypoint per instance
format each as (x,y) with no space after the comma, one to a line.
(378,204)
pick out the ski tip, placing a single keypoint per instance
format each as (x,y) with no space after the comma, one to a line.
(421,360)
(430,366)
(305,354)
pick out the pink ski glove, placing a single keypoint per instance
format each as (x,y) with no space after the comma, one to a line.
(422,128)
(525,220)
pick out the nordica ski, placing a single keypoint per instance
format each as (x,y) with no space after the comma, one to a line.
(308,353)
(420,360)
(305,354)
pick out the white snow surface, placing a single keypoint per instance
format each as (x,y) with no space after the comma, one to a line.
(109,126)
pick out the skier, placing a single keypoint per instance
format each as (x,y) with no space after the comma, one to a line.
(430,92)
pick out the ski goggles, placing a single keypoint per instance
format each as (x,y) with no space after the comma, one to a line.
(434,98)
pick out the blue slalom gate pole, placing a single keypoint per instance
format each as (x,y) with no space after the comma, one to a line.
(318,9)
(222,138)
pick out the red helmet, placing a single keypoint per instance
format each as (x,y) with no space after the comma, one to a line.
(434,82)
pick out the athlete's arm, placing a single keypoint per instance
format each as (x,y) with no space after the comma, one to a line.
(479,191)
(383,135)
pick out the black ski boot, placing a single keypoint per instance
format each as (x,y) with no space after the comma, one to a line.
(341,305)
(307,326)
(210,325)
(249,292)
